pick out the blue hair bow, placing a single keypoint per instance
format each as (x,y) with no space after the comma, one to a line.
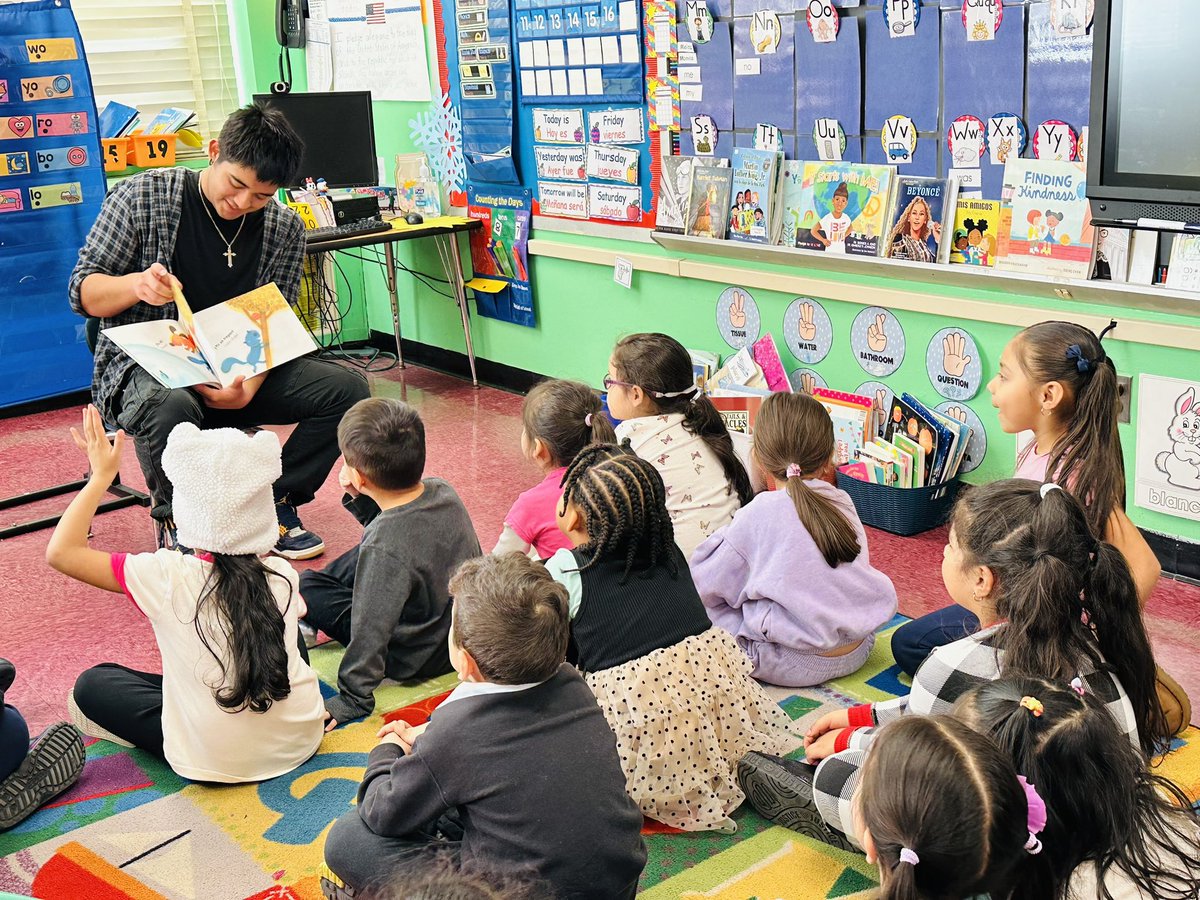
(1082,363)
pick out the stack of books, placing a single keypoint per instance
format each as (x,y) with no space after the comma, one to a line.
(920,447)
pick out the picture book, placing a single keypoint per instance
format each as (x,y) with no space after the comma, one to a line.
(905,419)
(674,184)
(853,421)
(859,469)
(904,462)
(1112,254)
(961,436)
(976,224)
(1183,273)
(740,371)
(943,445)
(170,120)
(1045,221)
(917,452)
(888,473)
(841,207)
(755,208)
(245,335)
(708,201)
(117,119)
(704,364)
(738,413)
(920,219)
(766,354)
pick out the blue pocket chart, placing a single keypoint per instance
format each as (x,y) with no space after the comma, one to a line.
(769,96)
(828,83)
(902,73)
(48,201)
(716,75)
(983,78)
(1059,72)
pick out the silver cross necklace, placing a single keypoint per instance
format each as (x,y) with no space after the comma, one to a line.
(228,254)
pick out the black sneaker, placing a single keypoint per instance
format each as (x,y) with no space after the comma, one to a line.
(333,888)
(295,542)
(781,791)
(165,534)
(52,765)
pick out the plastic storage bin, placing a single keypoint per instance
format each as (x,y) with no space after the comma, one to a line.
(147,150)
(903,511)
(116,151)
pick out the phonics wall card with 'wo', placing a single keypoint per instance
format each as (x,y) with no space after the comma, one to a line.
(1059,72)
(770,95)
(983,78)
(715,61)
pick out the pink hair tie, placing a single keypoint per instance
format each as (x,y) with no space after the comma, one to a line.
(793,471)
(1077,686)
(1036,818)
(909,856)
(587,420)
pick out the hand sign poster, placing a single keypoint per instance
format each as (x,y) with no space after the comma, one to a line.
(807,330)
(737,317)
(952,361)
(878,341)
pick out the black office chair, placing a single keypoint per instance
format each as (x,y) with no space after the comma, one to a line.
(123,495)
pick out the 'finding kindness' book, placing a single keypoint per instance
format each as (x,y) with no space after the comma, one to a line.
(245,335)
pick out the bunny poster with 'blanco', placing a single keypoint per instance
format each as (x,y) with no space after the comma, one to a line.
(1168,446)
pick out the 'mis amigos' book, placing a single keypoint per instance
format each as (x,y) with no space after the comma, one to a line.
(976,224)
(1045,220)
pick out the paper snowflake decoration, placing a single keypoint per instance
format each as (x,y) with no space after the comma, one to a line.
(439,133)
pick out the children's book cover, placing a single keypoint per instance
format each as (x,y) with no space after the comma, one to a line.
(755,179)
(244,336)
(976,224)
(674,185)
(708,202)
(1184,271)
(918,220)
(842,207)
(1045,220)
(738,413)
(906,420)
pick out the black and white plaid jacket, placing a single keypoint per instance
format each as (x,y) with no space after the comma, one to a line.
(137,227)
(948,673)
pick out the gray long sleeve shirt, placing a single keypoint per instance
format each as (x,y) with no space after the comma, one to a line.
(400,614)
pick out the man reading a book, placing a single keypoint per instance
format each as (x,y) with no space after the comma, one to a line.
(217,234)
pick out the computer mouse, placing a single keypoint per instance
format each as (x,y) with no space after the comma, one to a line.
(414,218)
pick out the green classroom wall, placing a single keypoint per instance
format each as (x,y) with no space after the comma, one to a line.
(581,311)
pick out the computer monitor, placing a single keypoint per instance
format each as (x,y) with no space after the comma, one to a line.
(338,130)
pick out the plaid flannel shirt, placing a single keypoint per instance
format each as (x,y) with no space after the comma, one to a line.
(948,673)
(137,227)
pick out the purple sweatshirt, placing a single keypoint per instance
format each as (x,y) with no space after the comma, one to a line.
(763,579)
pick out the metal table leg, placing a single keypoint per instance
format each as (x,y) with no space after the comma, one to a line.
(390,273)
(447,244)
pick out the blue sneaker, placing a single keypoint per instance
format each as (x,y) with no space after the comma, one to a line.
(295,541)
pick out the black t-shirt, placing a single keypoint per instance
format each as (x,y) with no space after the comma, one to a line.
(199,260)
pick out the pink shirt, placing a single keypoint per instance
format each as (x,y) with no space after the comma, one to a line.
(534,516)
(1031,464)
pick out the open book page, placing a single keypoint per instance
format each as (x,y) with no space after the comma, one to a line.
(250,334)
(166,350)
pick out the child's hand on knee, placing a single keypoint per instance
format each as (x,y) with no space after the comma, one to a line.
(822,747)
(401,733)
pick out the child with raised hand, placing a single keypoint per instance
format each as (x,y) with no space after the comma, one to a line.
(516,772)
(1054,603)
(796,630)
(235,701)
(666,420)
(1114,831)
(676,690)
(558,419)
(943,813)
(1056,380)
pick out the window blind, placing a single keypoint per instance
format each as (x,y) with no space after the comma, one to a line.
(157,53)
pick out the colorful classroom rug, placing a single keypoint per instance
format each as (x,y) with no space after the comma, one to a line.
(133,830)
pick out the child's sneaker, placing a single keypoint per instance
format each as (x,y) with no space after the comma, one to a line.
(332,887)
(165,535)
(88,727)
(295,542)
(52,765)
(781,791)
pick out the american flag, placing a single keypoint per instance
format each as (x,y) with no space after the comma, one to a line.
(375,14)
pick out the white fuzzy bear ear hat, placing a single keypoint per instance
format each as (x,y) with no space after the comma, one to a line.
(223,479)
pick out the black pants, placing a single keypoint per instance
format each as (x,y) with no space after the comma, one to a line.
(14,740)
(362,858)
(311,392)
(328,593)
(124,701)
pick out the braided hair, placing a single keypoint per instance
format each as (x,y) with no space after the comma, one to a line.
(624,508)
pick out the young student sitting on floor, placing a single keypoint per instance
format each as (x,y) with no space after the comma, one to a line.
(515,773)
(393,584)
(790,577)
(235,701)
(558,419)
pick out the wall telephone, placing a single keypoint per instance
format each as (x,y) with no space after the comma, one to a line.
(289,23)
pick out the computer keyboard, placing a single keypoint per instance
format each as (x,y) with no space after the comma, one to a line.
(361,228)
